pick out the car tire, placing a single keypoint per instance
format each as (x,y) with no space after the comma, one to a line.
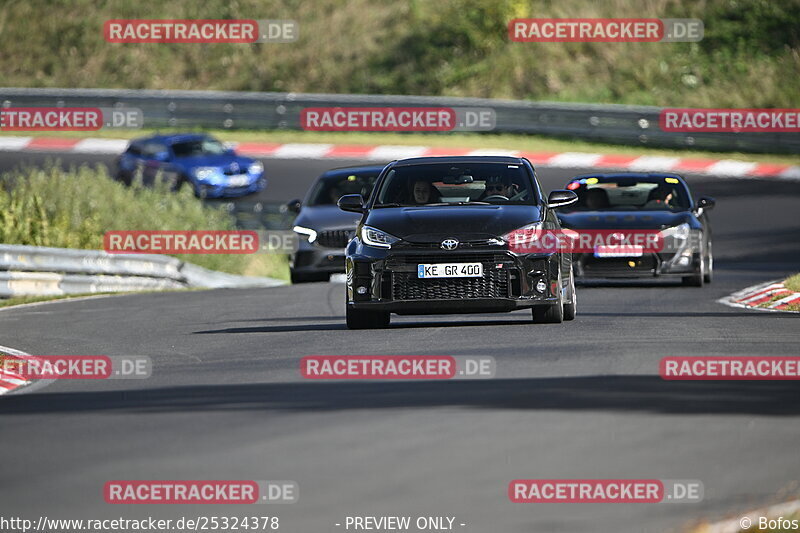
(696,280)
(548,314)
(571,307)
(365,319)
(708,276)
(124,177)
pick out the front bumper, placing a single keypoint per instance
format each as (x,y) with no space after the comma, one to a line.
(318,261)
(324,256)
(647,266)
(205,190)
(386,280)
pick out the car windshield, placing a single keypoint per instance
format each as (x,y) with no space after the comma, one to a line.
(196,147)
(629,194)
(328,190)
(459,184)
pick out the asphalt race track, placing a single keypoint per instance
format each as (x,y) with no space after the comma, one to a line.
(577,400)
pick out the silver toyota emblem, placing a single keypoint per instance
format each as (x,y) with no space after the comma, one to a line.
(234,167)
(449,244)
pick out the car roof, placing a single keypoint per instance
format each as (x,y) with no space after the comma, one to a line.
(638,175)
(461,159)
(171,138)
(343,171)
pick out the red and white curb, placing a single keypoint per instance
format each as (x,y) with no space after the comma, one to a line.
(752,297)
(8,380)
(714,167)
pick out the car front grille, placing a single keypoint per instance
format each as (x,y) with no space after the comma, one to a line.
(618,266)
(407,286)
(488,259)
(334,238)
(477,243)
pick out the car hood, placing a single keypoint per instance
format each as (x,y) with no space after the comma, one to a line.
(431,224)
(222,161)
(325,217)
(623,219)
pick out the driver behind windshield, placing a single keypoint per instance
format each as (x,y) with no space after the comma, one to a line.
(424,193)
(498,186)
(662,197)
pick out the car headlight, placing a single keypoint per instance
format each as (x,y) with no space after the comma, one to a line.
(375,237)
(203,173)
(676,237)
(256,168)
(680,232)
(308,232)
(528,234)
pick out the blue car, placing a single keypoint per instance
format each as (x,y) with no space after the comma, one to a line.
(200,161)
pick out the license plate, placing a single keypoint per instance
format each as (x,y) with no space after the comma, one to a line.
(238,181)
(622,250)
(450,270)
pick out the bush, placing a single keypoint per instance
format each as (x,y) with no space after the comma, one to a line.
(74,209)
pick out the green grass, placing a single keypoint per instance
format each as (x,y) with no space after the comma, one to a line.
(793,283)
(748,58)
(74,209)
(21,300)
(531,143)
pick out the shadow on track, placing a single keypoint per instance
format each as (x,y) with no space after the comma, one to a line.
(277,329)
(634,394)
(518,319)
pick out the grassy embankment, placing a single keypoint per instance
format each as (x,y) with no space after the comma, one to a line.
(74,209)
(749,56)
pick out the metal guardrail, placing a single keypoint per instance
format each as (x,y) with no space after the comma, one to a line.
(18,257)
(617,124)
(41,271)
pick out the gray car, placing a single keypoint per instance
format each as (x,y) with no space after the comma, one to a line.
(323,228)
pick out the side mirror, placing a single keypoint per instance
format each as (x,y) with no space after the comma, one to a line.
(293,206)
(561,198)
(705,202)
(351,202)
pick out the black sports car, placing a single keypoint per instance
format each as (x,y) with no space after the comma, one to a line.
(631,202)
(323,228)
(434,238)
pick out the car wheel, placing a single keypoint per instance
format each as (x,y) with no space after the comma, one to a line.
(571,307)
(364,319)
(124,177)
(709,273)
(548,314)
(696,280)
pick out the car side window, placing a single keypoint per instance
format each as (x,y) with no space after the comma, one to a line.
(150,150)
(134,150)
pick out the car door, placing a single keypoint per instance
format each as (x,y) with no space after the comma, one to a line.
(129,163)
(155,157)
